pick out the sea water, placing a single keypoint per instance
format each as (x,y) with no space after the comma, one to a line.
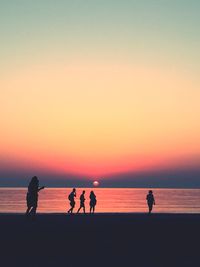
(55,200)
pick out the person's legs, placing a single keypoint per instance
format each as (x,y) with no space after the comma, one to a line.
(79,209)
(84,208)
(150,207)
(28,210)
(69,211)
(73,205)
(34,205)
(91,209)
(33,210)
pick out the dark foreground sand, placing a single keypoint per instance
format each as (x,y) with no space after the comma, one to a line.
(101,240)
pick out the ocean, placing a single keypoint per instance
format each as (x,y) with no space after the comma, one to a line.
(114,200)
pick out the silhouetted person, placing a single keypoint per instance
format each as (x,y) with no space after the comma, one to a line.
(93,202)
(82,202)
(150,200)
(32,196)
(71,197)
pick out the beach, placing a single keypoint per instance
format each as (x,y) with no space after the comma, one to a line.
(118,239)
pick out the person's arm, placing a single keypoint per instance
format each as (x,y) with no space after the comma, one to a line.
(154,201)
(40,188)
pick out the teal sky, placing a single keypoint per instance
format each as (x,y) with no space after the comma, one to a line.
(163,31)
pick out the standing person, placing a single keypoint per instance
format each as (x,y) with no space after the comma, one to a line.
(32,196)
(150,200)
(82,202)
(93,202)
(71,197)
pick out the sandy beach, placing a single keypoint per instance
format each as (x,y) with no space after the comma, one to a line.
(100,240)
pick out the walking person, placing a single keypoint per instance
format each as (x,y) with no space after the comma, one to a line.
(150,200)
(32,196)
(82,202)
(71,197)
(93,202)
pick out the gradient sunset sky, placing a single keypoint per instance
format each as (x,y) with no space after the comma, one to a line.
(100,89)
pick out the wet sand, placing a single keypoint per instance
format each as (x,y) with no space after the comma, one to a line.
(100,240)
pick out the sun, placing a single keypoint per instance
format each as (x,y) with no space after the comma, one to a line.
(95,183)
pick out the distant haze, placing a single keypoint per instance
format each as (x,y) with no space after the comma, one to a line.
(100,90)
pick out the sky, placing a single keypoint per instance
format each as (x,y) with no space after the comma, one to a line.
(100,89)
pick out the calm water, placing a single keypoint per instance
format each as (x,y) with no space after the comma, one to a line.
(108,200)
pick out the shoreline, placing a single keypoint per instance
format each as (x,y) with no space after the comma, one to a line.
(121,214)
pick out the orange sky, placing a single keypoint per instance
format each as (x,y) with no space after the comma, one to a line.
(90,118)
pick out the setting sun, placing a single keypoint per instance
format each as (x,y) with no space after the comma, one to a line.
(95,183)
